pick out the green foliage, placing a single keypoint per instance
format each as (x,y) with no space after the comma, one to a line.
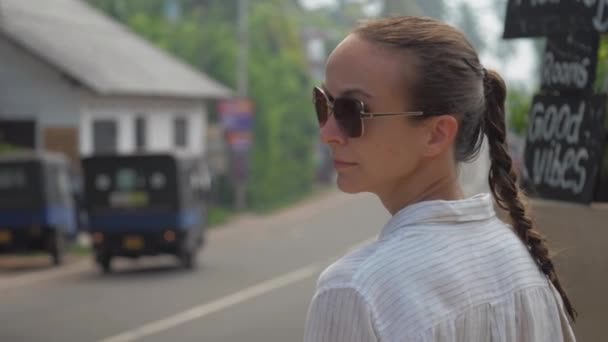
(601,86)
(205,36)
(7,148)
(218,216)
(601,81)
(79,250)
(284,132)
(518,107)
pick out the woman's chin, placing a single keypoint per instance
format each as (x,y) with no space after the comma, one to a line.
(348,185)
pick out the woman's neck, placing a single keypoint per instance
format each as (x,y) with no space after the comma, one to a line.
(422,185)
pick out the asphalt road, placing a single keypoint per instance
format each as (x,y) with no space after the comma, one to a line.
(254,283)
(256,278)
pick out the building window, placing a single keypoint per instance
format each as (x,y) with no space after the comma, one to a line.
(180,132)
(105,136)
(140,133)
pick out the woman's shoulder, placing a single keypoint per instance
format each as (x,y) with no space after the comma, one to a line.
(415,263)
(345,272)
(360,268)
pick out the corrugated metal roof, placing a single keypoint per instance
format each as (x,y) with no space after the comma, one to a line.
(99,52)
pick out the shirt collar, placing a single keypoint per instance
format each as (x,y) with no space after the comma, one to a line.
(476,208)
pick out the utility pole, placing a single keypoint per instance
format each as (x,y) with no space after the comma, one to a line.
(240,181)
(243,27)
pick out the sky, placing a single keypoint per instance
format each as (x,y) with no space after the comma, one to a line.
(516,70)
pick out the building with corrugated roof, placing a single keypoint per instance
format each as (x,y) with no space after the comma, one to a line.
(82,84)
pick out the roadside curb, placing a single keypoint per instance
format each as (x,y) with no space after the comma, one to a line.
(236,227)
(45,275)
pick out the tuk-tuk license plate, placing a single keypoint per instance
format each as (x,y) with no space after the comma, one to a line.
(5,237)
(133,243)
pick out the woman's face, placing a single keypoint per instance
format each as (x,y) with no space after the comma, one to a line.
(389,151)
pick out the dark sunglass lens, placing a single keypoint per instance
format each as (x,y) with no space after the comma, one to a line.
(348,115)
(320,106)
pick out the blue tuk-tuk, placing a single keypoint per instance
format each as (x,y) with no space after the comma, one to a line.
(37,209)
(146,204)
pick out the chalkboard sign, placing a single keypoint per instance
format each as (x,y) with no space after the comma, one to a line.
(564,146)
(570,62)
(601,193)
(535,18)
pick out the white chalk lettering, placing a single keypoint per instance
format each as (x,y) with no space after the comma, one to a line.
(536,122)
(566,74)
(536,3)
(581,156)
(550,122)
(560,171)
(559,161)
(600,21)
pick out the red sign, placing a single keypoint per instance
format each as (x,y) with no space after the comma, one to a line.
(239,140)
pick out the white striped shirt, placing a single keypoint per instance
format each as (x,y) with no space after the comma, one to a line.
(439,271)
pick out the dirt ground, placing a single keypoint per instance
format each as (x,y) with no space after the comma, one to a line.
(578,237)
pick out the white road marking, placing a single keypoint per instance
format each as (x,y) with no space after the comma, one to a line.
(217,305)
(224,302)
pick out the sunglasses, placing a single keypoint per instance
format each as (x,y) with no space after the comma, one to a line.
(348,112)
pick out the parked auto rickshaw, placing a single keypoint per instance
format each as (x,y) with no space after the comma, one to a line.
(37,209)
(140,205)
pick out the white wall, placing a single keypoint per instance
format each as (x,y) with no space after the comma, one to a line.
(32,89)
(160,131)
(159,115)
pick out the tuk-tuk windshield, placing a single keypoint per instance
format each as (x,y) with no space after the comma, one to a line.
(131,184)
(20,185)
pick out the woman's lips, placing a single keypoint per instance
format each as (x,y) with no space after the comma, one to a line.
(340,164)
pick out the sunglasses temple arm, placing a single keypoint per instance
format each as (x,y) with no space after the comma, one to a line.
(372,115)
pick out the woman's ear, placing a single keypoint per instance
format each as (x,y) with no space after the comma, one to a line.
(441,134)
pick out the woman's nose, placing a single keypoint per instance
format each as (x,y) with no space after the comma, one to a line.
(331,132)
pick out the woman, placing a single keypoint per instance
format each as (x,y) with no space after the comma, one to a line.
(406,100)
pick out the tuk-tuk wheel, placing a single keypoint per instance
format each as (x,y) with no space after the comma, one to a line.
(105,262)
(201,240)
(57,248)
(56,258)
(187,258)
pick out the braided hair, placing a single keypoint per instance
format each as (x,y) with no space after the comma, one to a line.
(452,80)
(504,185)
